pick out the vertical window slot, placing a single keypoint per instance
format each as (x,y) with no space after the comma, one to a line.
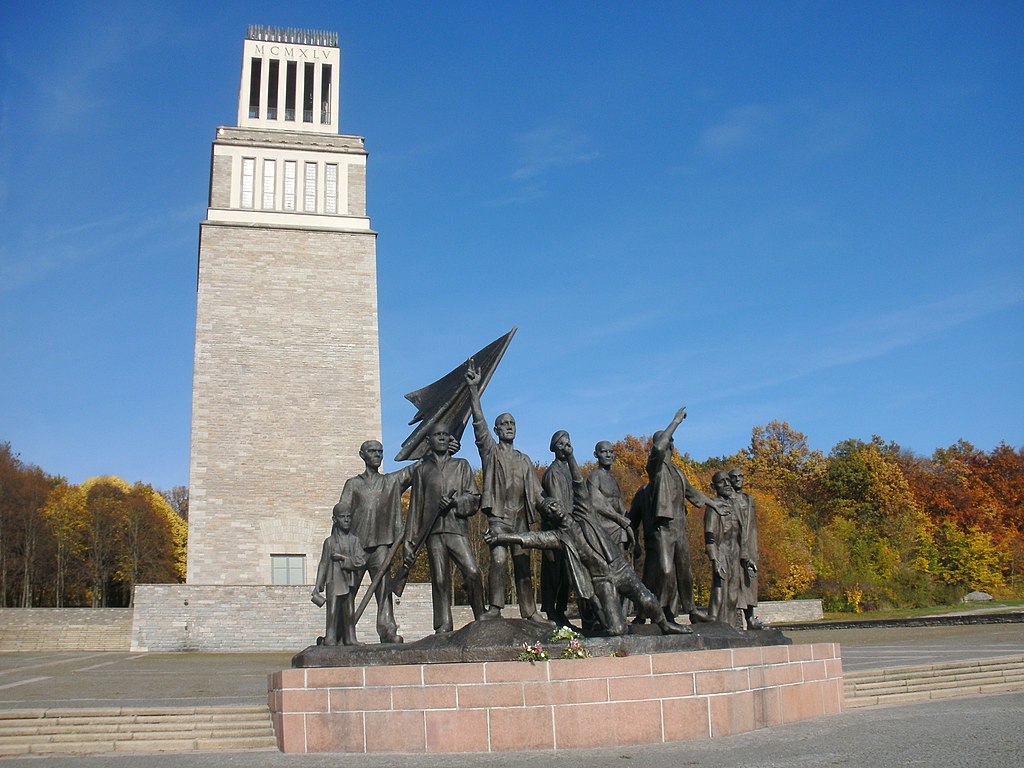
(255,70)
(272,72)
(289,90)
(309,188)
(325,94)
(269,183)
(307,93)
(289,185)
(331,188)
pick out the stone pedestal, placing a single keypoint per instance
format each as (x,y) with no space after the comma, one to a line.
(492,706)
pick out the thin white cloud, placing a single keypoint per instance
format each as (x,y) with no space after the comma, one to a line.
(544,149)
(740,128)
(866,338)
(55,249)
(797,125)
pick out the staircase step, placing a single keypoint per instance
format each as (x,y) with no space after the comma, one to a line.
(67,731)
(939,681)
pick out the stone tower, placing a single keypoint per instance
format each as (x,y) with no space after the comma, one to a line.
(286,381)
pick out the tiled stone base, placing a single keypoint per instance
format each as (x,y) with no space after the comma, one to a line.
(562,704)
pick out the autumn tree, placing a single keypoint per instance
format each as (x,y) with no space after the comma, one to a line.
(65,515)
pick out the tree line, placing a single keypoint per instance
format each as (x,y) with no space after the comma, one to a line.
(83,545)
(868,525)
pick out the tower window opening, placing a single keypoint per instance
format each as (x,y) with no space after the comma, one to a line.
(309,189)
(290,74)
(331,188)
(325,94)
(269,183)
(248,180)
(272,71)
(289,185)
(255,71)
(307,93)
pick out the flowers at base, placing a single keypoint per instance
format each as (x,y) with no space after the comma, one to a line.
(565,633)
(533,653)
(575,650)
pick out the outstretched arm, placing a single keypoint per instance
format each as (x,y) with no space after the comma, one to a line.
(529,539)
(661,443)
(472,376)
(482,435)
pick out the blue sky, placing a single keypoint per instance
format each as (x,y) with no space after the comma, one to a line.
(810,212)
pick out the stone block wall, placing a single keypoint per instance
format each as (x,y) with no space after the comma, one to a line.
(247,618)
(562,704)
(250,618)
(286,387)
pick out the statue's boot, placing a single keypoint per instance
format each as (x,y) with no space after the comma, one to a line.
(671,628)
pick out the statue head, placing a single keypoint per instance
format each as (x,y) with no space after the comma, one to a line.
(561,445)
(605,454)
(505,428)
(439,439)
(372,454)
(671,441)
(342,516)
(736,478)
(720,482)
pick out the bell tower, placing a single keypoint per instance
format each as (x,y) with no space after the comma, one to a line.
(286,381)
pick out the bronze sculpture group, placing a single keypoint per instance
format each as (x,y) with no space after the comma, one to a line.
(586,536)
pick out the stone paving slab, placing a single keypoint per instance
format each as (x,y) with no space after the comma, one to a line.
(979,732)
(132,680)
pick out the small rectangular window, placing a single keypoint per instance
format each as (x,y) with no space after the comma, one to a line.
(325,94)
(331,188)
(248,180)
(269,182)
(289,185)
(255,69)
(309,189)
(274,67)
(307,93)
(291,68)
(287,569)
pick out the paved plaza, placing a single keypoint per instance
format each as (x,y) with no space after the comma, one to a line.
(980,732)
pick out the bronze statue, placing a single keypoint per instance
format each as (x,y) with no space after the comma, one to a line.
(554,574)
(375,501)
(722,544)
(606,498)
(667,493)
(747,513)
(340,560)
(444,495)
(599,571)
(511,498)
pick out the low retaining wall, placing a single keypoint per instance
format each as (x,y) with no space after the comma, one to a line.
(561,704)
(248,617)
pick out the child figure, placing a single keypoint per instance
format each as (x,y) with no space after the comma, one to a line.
(340,560)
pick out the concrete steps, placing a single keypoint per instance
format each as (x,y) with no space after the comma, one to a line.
(934,681)
(65,629)
(151,729)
